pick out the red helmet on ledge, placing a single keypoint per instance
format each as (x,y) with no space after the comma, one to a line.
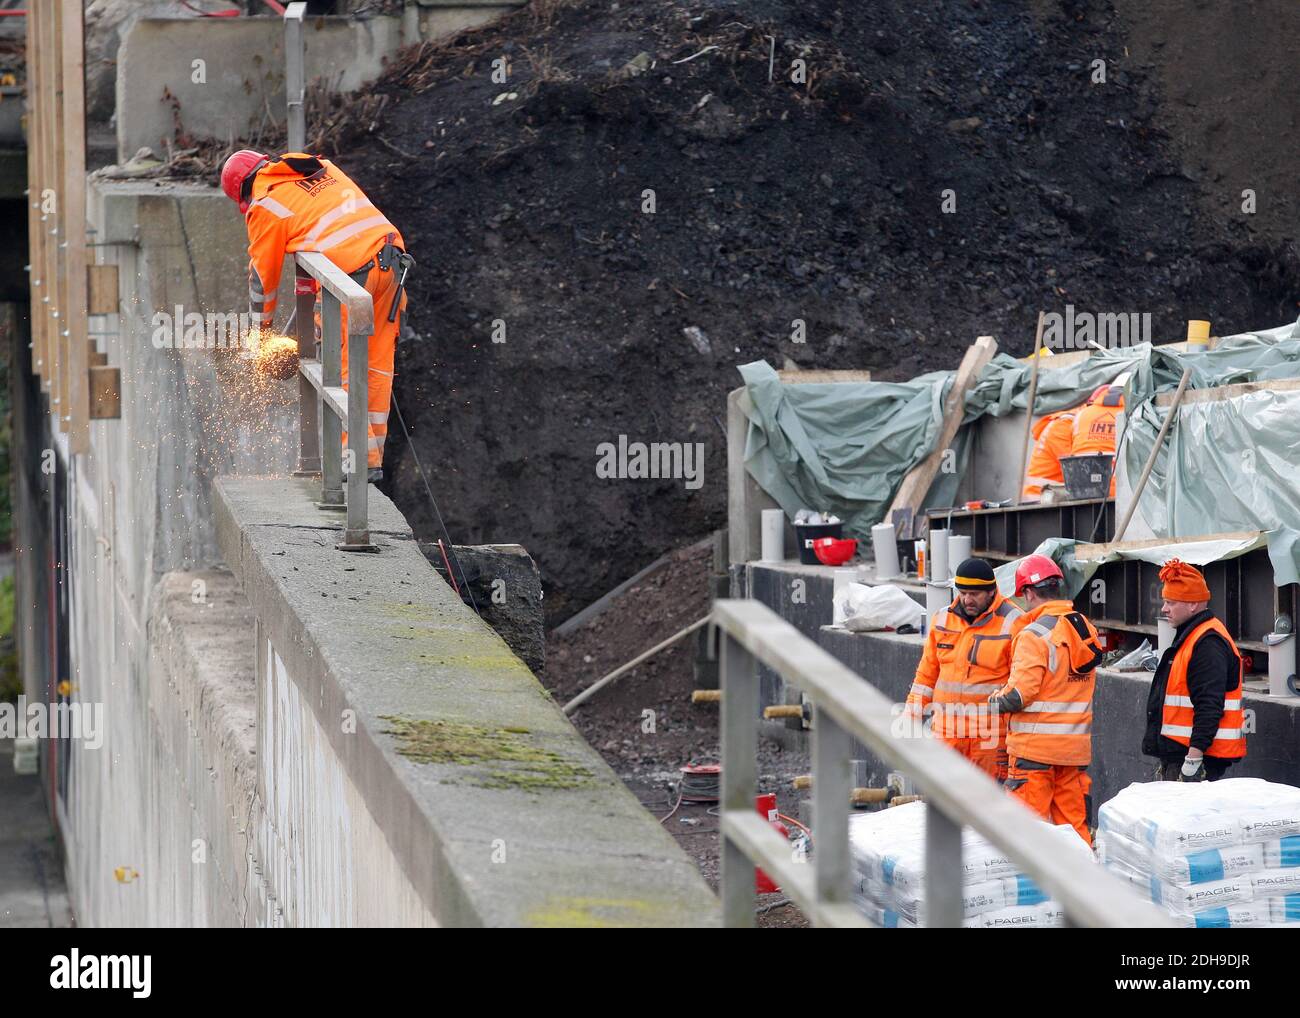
(236,170)
(1034,569)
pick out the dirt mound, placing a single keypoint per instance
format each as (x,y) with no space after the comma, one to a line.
(553,304)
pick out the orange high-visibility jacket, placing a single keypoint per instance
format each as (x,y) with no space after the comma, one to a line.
(1094,425)
(1176,719)
(962,664)
(1049,695)
(1054,435)
(301,202)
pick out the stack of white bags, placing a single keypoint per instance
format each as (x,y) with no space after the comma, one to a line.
(1214,854)
(888,852)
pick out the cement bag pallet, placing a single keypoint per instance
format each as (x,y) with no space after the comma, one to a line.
(1222,854)
(888,861)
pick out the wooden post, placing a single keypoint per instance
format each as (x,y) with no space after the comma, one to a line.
(36,187)
(905,510)
(1151,458)
(34,280)
(58,180)
(1029,408)
(74,228)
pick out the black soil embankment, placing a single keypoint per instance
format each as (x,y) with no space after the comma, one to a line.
(775,201)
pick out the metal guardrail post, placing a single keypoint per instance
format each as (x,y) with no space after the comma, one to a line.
(357,535)
(295,84)
(309,401)
(331,359)
(739,774)
(958,795)
(832,785)
(943,877)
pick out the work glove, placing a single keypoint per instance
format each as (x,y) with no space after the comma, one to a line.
(1192,770)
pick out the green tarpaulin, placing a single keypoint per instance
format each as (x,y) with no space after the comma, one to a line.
(1226,466)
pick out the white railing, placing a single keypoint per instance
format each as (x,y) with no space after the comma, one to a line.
(324,405)
(957,795)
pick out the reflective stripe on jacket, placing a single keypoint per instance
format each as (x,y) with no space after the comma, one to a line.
(962,664)
(301,202)
(1179,712)
(1049,694)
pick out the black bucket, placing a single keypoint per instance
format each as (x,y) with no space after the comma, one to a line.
(806,533)
(1087,476)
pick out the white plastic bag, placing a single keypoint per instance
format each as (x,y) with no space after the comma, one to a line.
(866,608)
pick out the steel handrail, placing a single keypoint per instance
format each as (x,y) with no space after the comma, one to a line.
(323,402)
(957,794)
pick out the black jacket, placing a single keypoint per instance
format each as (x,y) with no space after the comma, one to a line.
(1211,672)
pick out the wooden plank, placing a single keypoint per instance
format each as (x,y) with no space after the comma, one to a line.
(1221,392)
(74,219)
(906,507)
(816,376)
(94,357)
(105,387)
(58,180)
(36,234)
(1087,552)
(101,285)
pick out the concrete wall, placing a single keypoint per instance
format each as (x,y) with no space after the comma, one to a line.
(241,86)
(245,770)
(411,769)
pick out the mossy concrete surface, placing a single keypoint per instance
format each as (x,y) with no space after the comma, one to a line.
(497,809)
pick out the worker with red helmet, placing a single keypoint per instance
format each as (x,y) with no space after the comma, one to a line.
(967,656)
(1047,702)
(300,202)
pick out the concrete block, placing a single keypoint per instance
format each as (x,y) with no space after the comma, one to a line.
(507,590)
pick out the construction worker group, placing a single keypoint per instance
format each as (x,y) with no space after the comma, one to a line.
(1011,689)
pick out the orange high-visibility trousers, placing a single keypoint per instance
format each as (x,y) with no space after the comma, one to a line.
(382,350)
(992,760)
(1056,793)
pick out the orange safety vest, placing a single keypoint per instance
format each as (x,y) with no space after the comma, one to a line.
(1176,719)
(963,662)
(1053,663)
(1054,435)
(301,202)
(1094,425)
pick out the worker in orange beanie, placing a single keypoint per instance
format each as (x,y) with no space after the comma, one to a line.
(1195,721)
(300,202)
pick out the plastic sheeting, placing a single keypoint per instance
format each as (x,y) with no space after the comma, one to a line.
(1226,466)
(847,446)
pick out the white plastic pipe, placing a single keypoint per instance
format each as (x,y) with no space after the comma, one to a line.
(1164,635)
(1281,663)
(937,596)
(885,546)
(938,550)
(840,581)
(958,550)
(773,535)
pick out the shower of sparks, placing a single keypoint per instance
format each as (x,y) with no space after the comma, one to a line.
(276,356)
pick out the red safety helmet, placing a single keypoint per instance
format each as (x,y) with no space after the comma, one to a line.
(1034,569)
(1098,393)
(237,169)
